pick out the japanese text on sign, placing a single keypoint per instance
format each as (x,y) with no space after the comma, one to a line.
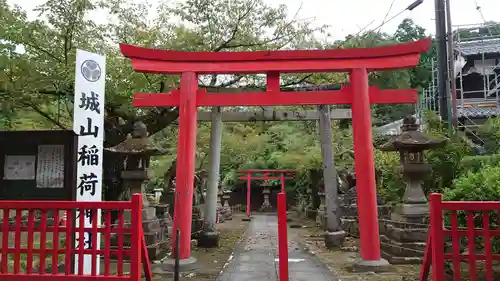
(88,124)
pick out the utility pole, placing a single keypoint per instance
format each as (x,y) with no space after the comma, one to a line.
(442,59)
(451,66)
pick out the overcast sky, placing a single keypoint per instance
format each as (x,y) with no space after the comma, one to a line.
(348,16)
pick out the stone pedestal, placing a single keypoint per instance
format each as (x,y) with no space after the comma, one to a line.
(266,206)
(334,239)
(406,234)
(209,237)
(320,215)
(228,214)
(135,180)
(403,242)
(414,207)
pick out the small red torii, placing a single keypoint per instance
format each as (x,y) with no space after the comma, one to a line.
(256,174)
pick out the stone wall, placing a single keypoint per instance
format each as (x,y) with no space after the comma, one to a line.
(401,242)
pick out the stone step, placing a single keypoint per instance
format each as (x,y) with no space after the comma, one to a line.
(406,234)
(399,249)
(401,260)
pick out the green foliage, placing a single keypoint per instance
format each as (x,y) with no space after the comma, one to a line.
(474,164)
(37,65)
(418,77)
(390,183)
(280,145)
(483,185)
(489,133)
(445,163)
(37,59)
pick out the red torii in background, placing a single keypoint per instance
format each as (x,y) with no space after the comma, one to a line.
(264,175)
(358,62)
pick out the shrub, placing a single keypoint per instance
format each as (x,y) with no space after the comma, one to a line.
(390,183)
(476,163)
(489,133)
(483,185)
(445,164)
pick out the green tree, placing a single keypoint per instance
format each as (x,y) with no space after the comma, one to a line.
(37,56)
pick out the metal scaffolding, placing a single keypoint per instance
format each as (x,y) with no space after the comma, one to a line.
(487,48)
(475,56)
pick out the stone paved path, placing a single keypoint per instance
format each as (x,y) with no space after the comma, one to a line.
(256,258)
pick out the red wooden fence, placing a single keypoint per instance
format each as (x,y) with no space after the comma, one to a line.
(19,250)
(435,253)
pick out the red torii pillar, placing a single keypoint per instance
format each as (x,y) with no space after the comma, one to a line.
(256,174)
(358,62)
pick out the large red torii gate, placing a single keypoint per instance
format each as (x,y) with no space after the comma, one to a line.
(358,62)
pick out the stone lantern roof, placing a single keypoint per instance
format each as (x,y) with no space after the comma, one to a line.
(137,143)
(411,139)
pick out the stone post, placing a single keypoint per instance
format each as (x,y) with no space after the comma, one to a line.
(210,236)
(334,235)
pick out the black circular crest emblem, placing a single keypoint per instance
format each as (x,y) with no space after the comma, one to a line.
(90,70)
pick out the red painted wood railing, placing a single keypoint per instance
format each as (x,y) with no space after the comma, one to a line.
(435,253)
(19,239)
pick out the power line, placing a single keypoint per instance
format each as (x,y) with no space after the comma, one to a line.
(478,8)
(384,22)
(387,13)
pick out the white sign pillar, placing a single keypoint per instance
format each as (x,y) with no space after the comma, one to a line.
(88,124)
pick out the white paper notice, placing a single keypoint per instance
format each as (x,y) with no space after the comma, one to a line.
(50,166)
(19,167)
(88,124)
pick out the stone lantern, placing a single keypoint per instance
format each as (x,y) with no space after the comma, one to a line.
(405,235)
(411,145)
(228,213)
(138,149)
(321,212)
(219,199)
(266,205)
(310,211)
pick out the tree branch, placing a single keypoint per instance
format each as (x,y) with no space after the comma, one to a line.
(45,115)
(40,49)
(235,29)
(232,82)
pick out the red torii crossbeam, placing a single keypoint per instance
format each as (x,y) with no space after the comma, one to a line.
(264,175)
(358,62)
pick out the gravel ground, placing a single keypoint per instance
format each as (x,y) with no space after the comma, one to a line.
(211,261)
